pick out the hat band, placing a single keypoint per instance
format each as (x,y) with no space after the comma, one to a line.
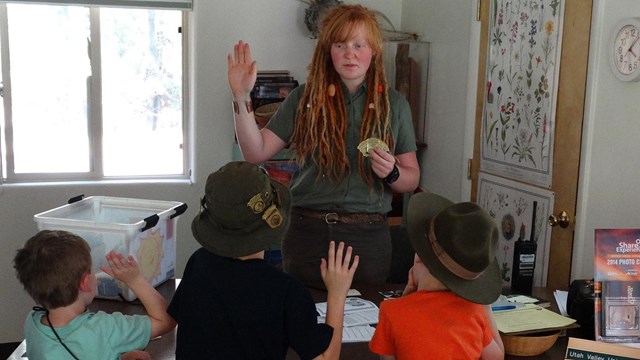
(446,260)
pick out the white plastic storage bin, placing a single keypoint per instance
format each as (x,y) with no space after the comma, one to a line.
(145,229)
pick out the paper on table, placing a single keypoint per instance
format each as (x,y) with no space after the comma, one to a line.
(528,318)
(362,333)
(363,317)
(522,299)
(503,303)
(357,312)
(352,304)
(561,300)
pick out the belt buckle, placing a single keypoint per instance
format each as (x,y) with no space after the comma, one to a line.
(331,218)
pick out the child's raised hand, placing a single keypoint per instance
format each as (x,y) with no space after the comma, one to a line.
(122,268)
(335,270)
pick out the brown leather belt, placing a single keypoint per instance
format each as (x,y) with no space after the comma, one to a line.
(345,218)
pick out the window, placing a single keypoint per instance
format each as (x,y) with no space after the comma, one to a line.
(91,93)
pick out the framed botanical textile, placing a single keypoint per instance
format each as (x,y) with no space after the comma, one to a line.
(522,76)
(520,212)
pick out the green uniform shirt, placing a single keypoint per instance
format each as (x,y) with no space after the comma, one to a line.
(352,194)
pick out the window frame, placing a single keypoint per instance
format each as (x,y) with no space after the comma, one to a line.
(94,116)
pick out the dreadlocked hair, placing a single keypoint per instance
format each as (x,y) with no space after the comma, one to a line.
(321,127)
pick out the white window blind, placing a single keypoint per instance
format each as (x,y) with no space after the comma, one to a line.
(140,4)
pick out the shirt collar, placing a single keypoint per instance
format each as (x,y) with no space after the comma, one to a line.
(360,90)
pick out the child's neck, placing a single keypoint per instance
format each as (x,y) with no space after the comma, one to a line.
(430,283)
(258,255)
(62,316)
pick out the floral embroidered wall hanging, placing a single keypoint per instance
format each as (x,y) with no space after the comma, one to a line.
(512,205)
(521,86)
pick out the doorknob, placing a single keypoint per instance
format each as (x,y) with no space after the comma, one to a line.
(562,219)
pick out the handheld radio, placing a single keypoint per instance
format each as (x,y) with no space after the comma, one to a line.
(524,260)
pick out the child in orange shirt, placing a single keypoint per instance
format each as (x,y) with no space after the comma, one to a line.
(445,311)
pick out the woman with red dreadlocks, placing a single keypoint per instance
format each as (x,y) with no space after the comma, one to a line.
(342,191)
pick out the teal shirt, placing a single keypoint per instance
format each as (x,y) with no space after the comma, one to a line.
(352,194)
(89,336)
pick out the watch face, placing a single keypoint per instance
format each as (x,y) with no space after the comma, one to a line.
(626,52)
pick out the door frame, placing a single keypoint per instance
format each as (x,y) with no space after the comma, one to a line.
(569,123)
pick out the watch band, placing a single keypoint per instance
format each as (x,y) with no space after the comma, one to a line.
(393,175)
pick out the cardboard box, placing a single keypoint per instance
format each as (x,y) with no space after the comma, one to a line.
(145,229)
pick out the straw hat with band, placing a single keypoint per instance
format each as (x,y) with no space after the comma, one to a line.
(243,211)
(457,243)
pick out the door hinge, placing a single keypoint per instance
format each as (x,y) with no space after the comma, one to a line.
(469,163)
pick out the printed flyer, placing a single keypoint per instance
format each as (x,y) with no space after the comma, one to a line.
(617,285)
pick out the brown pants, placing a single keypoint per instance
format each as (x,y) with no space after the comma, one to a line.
(308,241)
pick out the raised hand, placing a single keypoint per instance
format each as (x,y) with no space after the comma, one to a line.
(335,270)
(123,268)
(242,71)
(126,269)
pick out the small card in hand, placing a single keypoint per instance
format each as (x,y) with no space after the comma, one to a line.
(369,144)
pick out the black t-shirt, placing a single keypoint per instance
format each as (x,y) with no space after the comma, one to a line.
(233,309)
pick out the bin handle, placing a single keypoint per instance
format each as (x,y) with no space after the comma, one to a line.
(75,199)
(179,210)
(150,222)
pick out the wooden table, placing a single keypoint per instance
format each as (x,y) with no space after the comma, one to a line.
(163,348)
(559,349)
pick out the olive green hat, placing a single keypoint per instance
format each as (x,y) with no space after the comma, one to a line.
(243,211)
(458,244)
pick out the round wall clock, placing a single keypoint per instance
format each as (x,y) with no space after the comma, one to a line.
(625,50)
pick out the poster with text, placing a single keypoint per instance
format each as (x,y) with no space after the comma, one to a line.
(523,61)
(520,212)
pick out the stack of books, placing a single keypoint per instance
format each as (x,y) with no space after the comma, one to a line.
(272,86)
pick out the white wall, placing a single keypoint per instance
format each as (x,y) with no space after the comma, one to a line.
(447,26)
(279,40)
(610,164)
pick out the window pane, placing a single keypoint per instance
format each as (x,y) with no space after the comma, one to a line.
(49,72)
(141,92)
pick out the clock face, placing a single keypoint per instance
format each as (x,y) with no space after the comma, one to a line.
(626,51)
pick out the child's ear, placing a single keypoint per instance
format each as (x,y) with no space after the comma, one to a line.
(85,283)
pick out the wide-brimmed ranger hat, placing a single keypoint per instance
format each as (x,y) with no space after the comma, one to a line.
(458,244)
(243,211)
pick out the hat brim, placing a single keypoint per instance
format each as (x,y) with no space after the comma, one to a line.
(244,241)
(421,209)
